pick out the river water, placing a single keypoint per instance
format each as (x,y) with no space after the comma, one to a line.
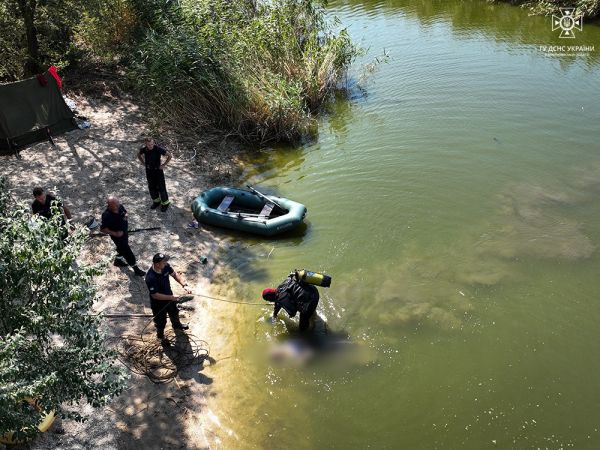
(455,201)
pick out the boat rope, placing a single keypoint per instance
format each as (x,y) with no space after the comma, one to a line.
(160,360)
(228,301)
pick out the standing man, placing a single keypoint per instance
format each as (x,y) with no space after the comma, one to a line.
(150,155)
(114,223)
(42,205)
(162,300)
(294,295)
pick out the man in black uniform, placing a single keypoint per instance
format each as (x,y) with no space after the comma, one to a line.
(293,296)
(150,155)
(42,205)
(114,223)
(162,300)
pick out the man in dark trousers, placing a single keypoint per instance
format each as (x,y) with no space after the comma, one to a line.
(293,296)
(150,155)
(162,300)
(42,205)
(114,223)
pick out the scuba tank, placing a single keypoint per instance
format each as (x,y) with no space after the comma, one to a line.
(314,278)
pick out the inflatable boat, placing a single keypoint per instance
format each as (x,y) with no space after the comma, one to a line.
(247,210)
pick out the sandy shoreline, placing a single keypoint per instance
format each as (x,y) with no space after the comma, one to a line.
(86,166)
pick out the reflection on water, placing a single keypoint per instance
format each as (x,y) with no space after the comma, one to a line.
(470,19)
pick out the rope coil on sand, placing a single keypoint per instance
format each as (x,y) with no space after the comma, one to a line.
(160,360)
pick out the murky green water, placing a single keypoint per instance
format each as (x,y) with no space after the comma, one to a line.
(457,207)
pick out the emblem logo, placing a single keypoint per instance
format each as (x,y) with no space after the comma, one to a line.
(567,22)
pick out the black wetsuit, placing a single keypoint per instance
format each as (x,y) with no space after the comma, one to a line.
(294,296)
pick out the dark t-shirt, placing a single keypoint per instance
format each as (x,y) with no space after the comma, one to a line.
(115,221)
(45,209)
(159,282)
(152,157)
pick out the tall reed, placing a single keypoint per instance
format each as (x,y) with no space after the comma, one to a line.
(257,70)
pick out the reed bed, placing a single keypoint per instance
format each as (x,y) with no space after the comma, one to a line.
(257,71)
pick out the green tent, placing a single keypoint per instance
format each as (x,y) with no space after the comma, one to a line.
(32,112)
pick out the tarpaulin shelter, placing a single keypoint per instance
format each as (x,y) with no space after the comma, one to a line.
(32,110)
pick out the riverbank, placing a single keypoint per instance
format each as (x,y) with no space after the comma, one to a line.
(85,166)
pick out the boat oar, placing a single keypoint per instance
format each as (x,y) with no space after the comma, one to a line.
(263,196)
(135,230)
(241,214)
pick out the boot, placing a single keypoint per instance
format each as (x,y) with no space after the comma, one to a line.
(120,262)
(139,272)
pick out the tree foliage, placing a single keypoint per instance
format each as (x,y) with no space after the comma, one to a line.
(36,34)
(587,8)
(51,348)
(253,69)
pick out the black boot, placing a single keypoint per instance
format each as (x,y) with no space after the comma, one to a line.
(119,262)
(139,272)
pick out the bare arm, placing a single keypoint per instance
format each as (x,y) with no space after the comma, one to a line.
(179,279)
(164,297)
(168,157)
(139,155)
(111,233)
(67,213)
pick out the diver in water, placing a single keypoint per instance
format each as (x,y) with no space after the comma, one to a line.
(294,295)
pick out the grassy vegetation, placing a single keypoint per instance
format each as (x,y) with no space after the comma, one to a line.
(255,69)
(587,8)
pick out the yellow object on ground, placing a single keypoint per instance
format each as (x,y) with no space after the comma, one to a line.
(46,422)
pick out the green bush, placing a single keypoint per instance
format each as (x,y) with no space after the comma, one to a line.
(51,348)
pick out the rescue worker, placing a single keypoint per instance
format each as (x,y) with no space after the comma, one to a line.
(114,223)
(162,300)
(42,205)
(293,296)
(150,155)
